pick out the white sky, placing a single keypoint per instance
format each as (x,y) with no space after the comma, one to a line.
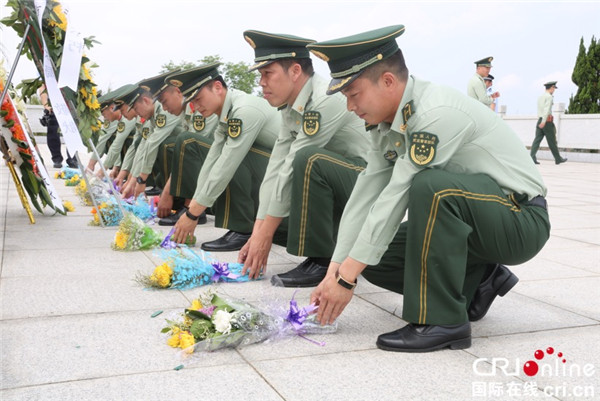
(531,42)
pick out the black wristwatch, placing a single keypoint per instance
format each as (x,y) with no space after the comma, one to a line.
(139,180)
(191,216)
(345,283)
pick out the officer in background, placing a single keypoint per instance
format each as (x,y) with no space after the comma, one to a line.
(52,132)
(233,169)
(476,87)
(545,125)
(320,151)
(489,81)
(473,196)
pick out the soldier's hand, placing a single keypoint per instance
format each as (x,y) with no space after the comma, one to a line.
(542,124)
(165,205)
(184,228)
(244,252)
(258,255)
(332,298)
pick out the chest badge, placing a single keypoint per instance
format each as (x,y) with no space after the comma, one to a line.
(198,123)
(423,147)
(161,120)
(145,132)
(234,127)
(106,123)
(312,122)
(121,126)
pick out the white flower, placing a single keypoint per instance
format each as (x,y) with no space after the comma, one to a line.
(222,321)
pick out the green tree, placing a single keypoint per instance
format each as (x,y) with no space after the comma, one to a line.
(236,75)
(586,75)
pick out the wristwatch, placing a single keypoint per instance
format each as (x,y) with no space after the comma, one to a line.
(191,216)
(345,283)
(139,180)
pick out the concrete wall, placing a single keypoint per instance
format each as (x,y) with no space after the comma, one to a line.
(578,134)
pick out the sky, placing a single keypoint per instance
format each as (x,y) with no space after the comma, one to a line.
(531,42)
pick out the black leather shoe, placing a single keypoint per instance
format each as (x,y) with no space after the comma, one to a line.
(172,219)
(231,241)
(306,274)
(57,165)
(153,191)
(499,282)
(425,338)
(535,161)
(561,160)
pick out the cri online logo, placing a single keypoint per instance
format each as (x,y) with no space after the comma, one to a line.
(544,364)
(531,368)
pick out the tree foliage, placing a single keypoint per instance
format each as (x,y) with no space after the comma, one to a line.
(586,75)
(236,75)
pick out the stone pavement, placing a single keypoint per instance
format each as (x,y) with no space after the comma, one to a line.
(75,326)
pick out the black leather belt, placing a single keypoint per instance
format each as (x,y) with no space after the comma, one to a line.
(539,201)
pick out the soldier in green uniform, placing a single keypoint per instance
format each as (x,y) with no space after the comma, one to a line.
(476,87)
(126,130)
(320,151)
(473,195)
(142,127)
(179,151)
(545,125)
(233,169)
(163,124)
(109,128)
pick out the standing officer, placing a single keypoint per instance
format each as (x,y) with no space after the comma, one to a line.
(234,167)
(476,88)
(473,197)
(545,124)
(489,90)
(320,151)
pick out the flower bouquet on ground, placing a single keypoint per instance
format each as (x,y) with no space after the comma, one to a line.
(111,214)
(184,269)
(73,181)
(66,173)
(212,323)
(135,235)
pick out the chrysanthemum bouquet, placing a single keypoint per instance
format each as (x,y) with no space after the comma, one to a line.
(135,235)
(185,269)
(212,323)
(111,215)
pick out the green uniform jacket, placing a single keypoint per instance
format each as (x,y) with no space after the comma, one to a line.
(124,127)
(544,104)
(445,130)
(106,133)
(336,130)
(477,90)
(129,158)
(163,124)
(258,122)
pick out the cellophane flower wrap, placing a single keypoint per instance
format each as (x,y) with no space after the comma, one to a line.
(135,235)
(184,269)
(213,322)
(111,215)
